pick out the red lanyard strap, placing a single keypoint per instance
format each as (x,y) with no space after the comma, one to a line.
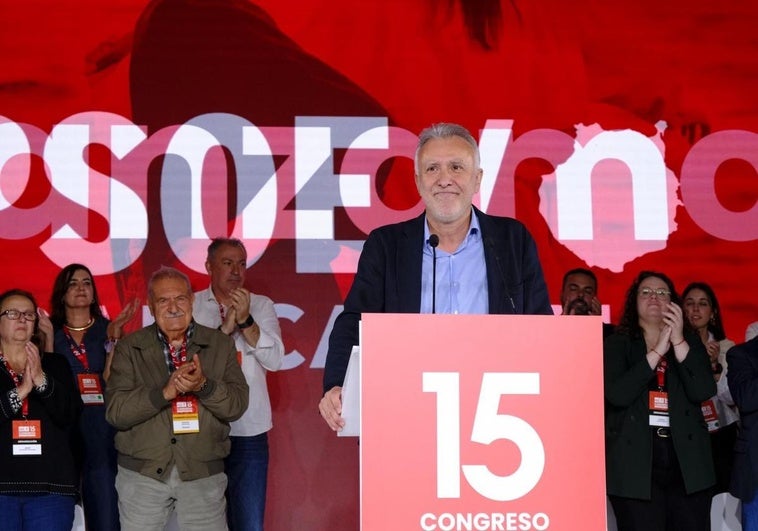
(79,351)
(660,372)
(178,358)
(17,381)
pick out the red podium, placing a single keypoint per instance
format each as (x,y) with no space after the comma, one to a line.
(481,422)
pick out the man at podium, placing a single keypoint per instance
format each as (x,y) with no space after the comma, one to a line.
(452,259)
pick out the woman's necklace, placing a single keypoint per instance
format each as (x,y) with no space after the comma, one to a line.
(81,328)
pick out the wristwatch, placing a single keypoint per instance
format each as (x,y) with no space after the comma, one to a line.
(248,322)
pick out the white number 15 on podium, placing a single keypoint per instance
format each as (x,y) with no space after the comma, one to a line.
(489,426)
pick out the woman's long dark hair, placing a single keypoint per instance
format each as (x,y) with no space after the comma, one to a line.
(60,287)
(715,325)
(630,318)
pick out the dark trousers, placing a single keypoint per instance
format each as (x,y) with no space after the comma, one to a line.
(46,512)
(722,446)
(99,497)
(669,508)
(247,470)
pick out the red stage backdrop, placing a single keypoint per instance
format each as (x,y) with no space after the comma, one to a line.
(622,134)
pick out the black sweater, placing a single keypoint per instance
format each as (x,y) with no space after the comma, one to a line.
(57,409)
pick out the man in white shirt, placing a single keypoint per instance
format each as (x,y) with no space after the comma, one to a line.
(251,321)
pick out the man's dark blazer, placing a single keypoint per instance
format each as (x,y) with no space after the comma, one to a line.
(388,280)
(742,377)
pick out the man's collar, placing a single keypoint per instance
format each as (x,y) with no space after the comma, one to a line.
(212,295)
(473,226)
(187,333)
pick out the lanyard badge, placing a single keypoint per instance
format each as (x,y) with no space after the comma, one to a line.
(658,401)
(26,433)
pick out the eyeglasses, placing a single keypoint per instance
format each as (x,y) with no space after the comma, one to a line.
(14,315)
(646,293)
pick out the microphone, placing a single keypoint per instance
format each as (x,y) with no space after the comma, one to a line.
(434,241)
(491,245)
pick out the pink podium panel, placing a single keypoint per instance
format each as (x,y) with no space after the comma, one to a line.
(481,422)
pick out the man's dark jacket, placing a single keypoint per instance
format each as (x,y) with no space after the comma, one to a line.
(742,375)
(388,280)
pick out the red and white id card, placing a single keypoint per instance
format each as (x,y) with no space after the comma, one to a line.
(659,409)
(185,414)
(89,388)
(710,415)
(659,401)
(27,435)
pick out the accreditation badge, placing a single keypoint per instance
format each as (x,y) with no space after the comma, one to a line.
(185,414)
(90,389)
(27,437)
(659,409)
(659,401)
(710,415)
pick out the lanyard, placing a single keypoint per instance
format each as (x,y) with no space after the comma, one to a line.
(178,358)
(660,372)
(79,351)
(17,380)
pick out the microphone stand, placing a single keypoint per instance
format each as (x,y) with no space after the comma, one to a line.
(434,241)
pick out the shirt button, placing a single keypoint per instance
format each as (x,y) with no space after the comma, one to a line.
(159,471)
(173,440)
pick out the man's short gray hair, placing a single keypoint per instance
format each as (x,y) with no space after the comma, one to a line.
(163,273)
(445,130)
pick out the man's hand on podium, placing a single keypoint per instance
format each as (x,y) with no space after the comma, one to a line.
(331,408)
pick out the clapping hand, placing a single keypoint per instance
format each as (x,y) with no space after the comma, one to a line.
(116,327)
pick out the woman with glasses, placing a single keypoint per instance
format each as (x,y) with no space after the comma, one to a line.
(39,408)
(87,339)
(704,315)
(658,458)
